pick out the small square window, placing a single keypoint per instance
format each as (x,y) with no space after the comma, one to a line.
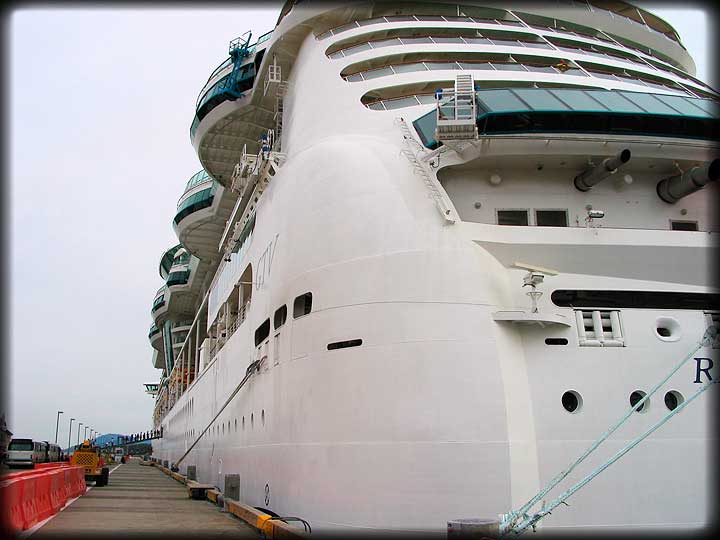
(512,217)
(551,218)
(302,305)
(684,225)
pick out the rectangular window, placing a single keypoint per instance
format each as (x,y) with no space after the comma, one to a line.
(512,217)
(599,328)
(683,225)
(551,218)
(262,332)
(302,305)
(280,316)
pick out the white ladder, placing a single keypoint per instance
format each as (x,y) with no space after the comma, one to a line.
(411,150)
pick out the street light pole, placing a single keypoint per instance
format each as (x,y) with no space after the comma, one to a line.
(70,433)
(79,425)
(85,435)
(57,425)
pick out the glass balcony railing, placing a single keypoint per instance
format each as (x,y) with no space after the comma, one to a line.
(166,261)
(196,179)
(179,277)
(159,299)
(229,87)
(196,201)
(154,331)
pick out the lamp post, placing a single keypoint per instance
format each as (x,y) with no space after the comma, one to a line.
(85,435)
(57,425)
(79,425)
(70,433)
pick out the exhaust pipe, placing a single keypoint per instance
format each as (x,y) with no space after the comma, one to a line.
(594,175)
(674,188)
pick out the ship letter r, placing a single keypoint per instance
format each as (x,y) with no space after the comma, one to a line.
(699,369)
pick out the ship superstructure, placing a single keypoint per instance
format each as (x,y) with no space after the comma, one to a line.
(450,244)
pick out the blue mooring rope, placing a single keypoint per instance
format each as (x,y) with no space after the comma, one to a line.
(518,521)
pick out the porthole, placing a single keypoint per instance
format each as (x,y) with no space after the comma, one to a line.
(252,419)
(223,429)
(667,329)
(556,341)
(635,398)
(236,425)
(571,401)
(673,399)
(243,422)
(262,417)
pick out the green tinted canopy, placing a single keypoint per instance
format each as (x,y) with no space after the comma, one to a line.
(570,110)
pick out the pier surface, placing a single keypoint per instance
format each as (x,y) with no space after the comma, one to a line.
(142,502)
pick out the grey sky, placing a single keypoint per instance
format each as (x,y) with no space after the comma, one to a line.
(101,101)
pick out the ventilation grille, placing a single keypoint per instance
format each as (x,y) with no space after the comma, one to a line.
(598,328)
(713,319)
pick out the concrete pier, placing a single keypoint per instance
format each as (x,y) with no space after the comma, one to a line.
(142,502)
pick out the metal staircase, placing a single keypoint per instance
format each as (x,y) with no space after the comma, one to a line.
(238,49)
(457,111)
(250,177)
(413,148)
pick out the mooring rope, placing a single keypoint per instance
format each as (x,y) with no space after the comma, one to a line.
(510,521)
(252,368)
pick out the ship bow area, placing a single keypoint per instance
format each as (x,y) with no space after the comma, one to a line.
(406,377)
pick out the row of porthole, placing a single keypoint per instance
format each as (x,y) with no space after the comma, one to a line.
(572,401)
(218,430)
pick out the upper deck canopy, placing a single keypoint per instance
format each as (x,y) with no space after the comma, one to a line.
(569,110)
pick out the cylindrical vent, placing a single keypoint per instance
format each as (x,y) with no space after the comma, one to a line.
(672,189)
(587,179)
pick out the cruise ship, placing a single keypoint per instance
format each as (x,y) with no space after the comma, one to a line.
(433,253)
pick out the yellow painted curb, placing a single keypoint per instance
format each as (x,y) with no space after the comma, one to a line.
(261,521)
(212,495)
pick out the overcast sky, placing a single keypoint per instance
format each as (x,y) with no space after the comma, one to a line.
(100,105)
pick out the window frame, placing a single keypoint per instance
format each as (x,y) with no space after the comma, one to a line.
(275,317)
(564,210)
(527,215)
(685,222)
(305,305)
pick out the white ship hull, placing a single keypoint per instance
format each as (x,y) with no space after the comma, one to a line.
(443,411)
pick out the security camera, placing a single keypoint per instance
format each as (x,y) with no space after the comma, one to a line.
(533,279)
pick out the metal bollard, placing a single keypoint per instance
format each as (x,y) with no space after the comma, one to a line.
(232,487)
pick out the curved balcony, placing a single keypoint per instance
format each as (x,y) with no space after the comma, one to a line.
(155,337)
(196,200)
(159,301)
(229,113)
(202,212)
(158,360)
(166,261)
(176,300)
(229,81)
(180,273)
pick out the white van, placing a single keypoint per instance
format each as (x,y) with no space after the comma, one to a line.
(24,453)
(118,455)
